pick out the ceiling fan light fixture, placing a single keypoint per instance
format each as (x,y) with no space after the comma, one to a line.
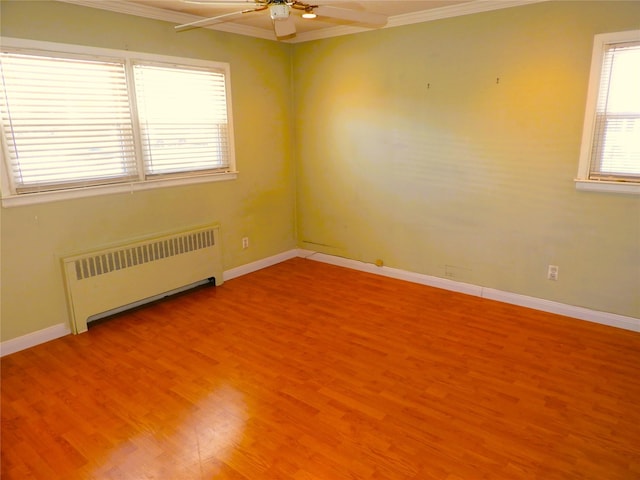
(279,11)
(309,13)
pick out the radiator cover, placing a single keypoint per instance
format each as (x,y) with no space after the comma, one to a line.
(105,279)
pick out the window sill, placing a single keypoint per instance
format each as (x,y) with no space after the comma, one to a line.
(607,187)
(54,196)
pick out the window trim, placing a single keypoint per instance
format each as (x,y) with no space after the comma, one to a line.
(11,199)
(582,180)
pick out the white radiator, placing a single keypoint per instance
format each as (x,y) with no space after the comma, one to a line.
(107,279)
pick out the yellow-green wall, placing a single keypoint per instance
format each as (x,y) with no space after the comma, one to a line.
(449,148)
(259,204)
(399,144)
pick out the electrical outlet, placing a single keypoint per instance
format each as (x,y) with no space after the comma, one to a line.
(552,272)
(245,242)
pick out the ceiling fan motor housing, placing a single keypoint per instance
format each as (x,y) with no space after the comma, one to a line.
(279,11)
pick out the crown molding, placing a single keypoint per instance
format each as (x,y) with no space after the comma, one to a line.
(475,6)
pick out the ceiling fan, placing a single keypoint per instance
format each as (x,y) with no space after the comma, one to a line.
(280,13)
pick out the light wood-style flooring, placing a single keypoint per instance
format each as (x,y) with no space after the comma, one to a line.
(308,371)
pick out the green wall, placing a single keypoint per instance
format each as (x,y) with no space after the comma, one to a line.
(446,148)
(449,148)
(259,204)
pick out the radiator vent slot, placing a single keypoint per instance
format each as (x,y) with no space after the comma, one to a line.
(99,282)
(106,262)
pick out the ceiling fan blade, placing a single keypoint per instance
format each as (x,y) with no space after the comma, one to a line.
(284,28)
(357,16)
(205,22)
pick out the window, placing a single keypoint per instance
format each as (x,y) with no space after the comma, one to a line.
(184,129)
(110,121)
(610,152)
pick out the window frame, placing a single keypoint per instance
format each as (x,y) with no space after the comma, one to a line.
(583,180)
(11,198)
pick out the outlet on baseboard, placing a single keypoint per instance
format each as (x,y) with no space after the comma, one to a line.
(245,242)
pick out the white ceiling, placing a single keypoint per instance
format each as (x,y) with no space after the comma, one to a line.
(259,24)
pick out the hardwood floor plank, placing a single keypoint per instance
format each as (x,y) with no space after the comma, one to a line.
(310,371)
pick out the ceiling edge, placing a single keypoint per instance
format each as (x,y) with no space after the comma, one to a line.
(476,6)
(119,6)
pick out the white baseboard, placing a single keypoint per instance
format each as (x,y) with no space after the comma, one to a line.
(581,313)
(259,264)
(395,273)
(34,338)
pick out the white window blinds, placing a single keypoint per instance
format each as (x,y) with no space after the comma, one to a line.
(66,122)
(183,119)
(615,151)
(71,120)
